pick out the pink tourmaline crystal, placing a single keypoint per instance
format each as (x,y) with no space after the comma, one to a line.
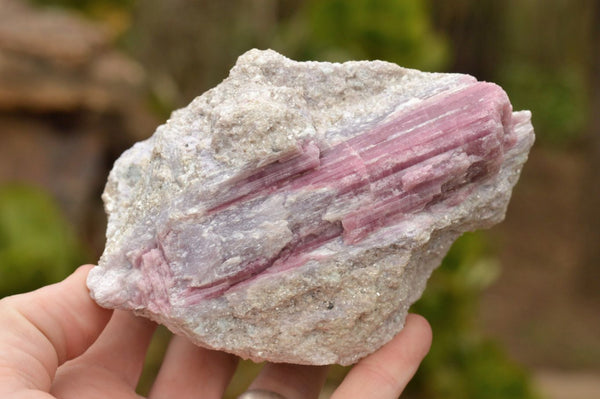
(294,212)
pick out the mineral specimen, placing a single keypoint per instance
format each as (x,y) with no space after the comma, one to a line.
(294,212)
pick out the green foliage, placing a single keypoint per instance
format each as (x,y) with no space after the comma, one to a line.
(393,30)
(462,362)
(36,244)
(555,95)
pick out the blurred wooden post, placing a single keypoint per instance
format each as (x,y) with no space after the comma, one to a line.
(474,29)
(590,271)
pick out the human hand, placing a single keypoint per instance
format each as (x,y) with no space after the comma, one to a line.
(57,343)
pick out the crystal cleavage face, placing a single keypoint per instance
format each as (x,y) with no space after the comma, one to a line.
(294,212)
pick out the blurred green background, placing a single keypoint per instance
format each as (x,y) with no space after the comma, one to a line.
(514,310)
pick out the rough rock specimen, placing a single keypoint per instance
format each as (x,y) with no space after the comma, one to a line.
(294,212)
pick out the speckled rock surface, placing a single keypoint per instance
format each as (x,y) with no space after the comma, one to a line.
(294,212)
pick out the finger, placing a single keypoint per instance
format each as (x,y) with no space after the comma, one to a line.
(292,381)
(385,373)
(43,329)
(120,349)
(189,371)
(111,367)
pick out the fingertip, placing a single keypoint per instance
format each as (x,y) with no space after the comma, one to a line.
(121,347)
(76,285)
(206,373)
(85,269)
(423,331)
(385,373)
(47,327)
(66,314)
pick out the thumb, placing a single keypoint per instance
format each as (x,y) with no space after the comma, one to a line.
(42,329)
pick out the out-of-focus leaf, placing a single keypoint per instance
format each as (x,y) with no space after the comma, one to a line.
(398,31)
(555,95)
(462,362)
(37,247)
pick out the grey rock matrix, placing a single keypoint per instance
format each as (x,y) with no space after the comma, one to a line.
(294,212)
